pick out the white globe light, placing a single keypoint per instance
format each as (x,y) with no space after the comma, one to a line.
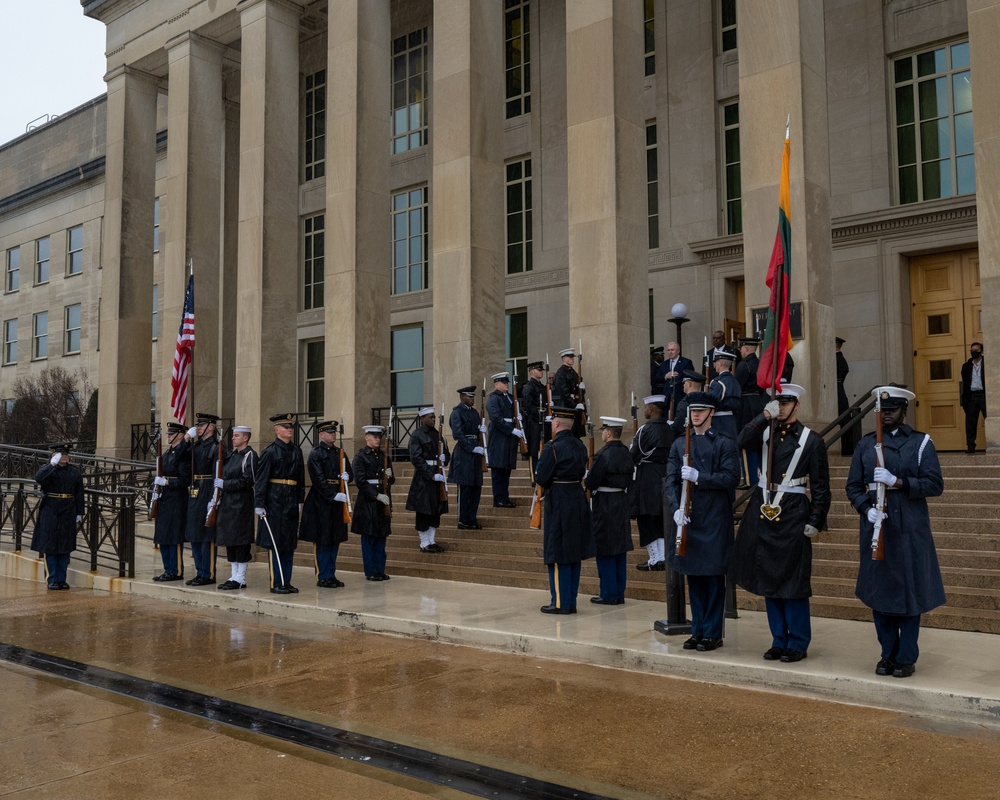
(679,310)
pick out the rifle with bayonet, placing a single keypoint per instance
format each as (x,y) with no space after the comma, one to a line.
(212,513)
(582,390)
(522,441)
(878,546)
(680,545)
(442,485)
(154,500)
(383,480)
(635,416)
(347,510)
(482,434)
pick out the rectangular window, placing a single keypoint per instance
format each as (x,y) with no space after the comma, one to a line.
(409,241)
(518,217)
(314,144)
(313,249)
(72,343)
(13,269)
(652,188)
(409,91)
(74,254)
(516,344)
(408,366)
(8,406)
(40,335)
(152,402)
(650,39)
(517,57)
(9,341)
(156,225)
(933,111)
(42,260)
(156,311)
(314,355)
(727,24)
(731,156)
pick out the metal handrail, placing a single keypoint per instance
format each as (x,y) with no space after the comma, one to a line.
(404,420)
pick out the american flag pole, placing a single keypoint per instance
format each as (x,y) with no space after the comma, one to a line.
(181,378)
(189,413)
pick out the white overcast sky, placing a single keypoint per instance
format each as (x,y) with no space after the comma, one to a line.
(51,60)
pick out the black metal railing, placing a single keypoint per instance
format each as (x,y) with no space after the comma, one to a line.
(144,435)
(404,420)
(99,473)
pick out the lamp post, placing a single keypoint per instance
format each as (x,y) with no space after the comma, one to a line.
(679,311)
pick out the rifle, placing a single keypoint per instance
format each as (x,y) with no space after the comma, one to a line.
(154,501)
(706,365)
(442,485)
(590,450)
(383,481)
(213,505)
(680,546)
(482,434)
(535,518)
(523,444)
(635,417)
(583,392)
(347,510)
(878,546)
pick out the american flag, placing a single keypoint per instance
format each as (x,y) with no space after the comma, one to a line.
(183,356)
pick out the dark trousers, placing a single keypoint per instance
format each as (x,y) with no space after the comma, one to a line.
(56,565)
(791,628)
(707,594)
(204,555)
(425,521)
(974,406)
(650,528)
(326,561)
(468,503)
(373,555)
(501,484)
(612,570)
(564,583)
(281,567)
(172,556)
(898,637)
(238,554)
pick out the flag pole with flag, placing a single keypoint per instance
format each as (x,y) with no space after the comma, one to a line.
(181,382)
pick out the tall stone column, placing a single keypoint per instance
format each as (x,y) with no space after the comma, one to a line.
(195,131)
(126,326)
(984,30)
(606,141)
(228,298)
(783,74)
(467,195)
(268,279)
(358,254)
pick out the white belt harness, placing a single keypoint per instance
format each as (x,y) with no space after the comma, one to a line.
(771,507)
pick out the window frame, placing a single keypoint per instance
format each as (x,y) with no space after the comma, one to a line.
(12,277)
(313,263)
(74,255)
(10,345)
(314,125)
(517,76)
(43,264)
(395,371)
(68,330)
(412,48)
(521,184)
(516,363)
(39,341)
(424,237)
(310,382)
(649,36)
(652,187)
(732,203)
(728,33)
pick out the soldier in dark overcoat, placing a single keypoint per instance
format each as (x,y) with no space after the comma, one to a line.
(693,382)
(533,405)
(650,449)
(234,521)
(773,553)
(173,481)
(59,512)
(428,456)
(373,513)
(711,475)
(502,443)
(323,521)
(279,491)
(567,390)
(204,457)
(752,402)
(843,369)
(466,468)
(568,538)
(907,581)
(726,392)
(608,481)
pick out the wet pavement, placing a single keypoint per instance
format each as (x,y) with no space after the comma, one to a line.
(611,732)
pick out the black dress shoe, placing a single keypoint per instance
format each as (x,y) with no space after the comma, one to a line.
(477,525)
(707,644)
(432,548)
(63,585)
(335,584)
(692,643)
(196,581)
(552,609)
(505,504)
(373,577)
(659,566)
(884,667)
(323,584)
(192,582)
(165,577)
(231,584)
(465,526)
(791,656)
(904,670)
(600,601)
(291,589)
(279,590)
(54,587)
(774,654)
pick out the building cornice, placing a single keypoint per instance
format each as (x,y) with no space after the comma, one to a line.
(719,249)
(949,213)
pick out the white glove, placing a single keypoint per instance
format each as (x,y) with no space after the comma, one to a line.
(345,477)
(340,497)
(192,432)
(811,531)
(383,499)
(260,512)
(439,477)
(482,428)
(479,451)
(873,515)
(689,474)
(680,520)
(160,481)
(300,507)
(217,483)
(388,472)
(882,475)
(579,407)
(582,386)
(518,433)
(771,409)
(56,458)
(78,518)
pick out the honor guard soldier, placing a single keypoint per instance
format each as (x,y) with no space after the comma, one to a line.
(429,456)
(173,481)
(655,360)
(726,392)
(649,450)
(567,390)
(59,512)
(568,539)
(692,382)
(773,553)
(234,523)
(706,480)
(373,512)
(752,402)
(279,491)
(502,444)
(204,457)
(466,468)
(324,515)
(608,481)
(906,582)
(533,404)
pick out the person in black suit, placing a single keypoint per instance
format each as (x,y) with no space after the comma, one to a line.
(671,375)
(973,395)
(842,370)
(655,360)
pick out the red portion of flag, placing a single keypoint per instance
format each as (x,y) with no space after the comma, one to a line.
(183,356)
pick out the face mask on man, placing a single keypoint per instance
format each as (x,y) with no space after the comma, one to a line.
(975,353)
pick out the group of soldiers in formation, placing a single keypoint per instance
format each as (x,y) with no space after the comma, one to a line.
(705,435)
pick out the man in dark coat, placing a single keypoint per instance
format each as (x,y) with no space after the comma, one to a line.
(373,513)
(726,392)
(204,458)
(501,446)
(234,522)
(279,491)
(568,539)
(693,382)
(650,449)
(533,405)
(710,476)
(173,479)
(671,377)
(568,389)
(428,456)
(608,481)
(907,581)
(973,394)
(324,515)
(773,553)
(59,512)
(752,402)
(655,360)
(466,468)
(718,343)
(842,369)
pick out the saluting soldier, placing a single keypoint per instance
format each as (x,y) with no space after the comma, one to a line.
(773,553)
(466,468)
(568,539)
(171,516)
(752,402)
(502,443)
(373,511)
(279,491)
(234,522)
(726,392)
(907,581)
(608,481)
(323,521)
(712,474)
(204,457)
(59,512)
(424,496)
(692,382)
(650,449)
(533,413)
